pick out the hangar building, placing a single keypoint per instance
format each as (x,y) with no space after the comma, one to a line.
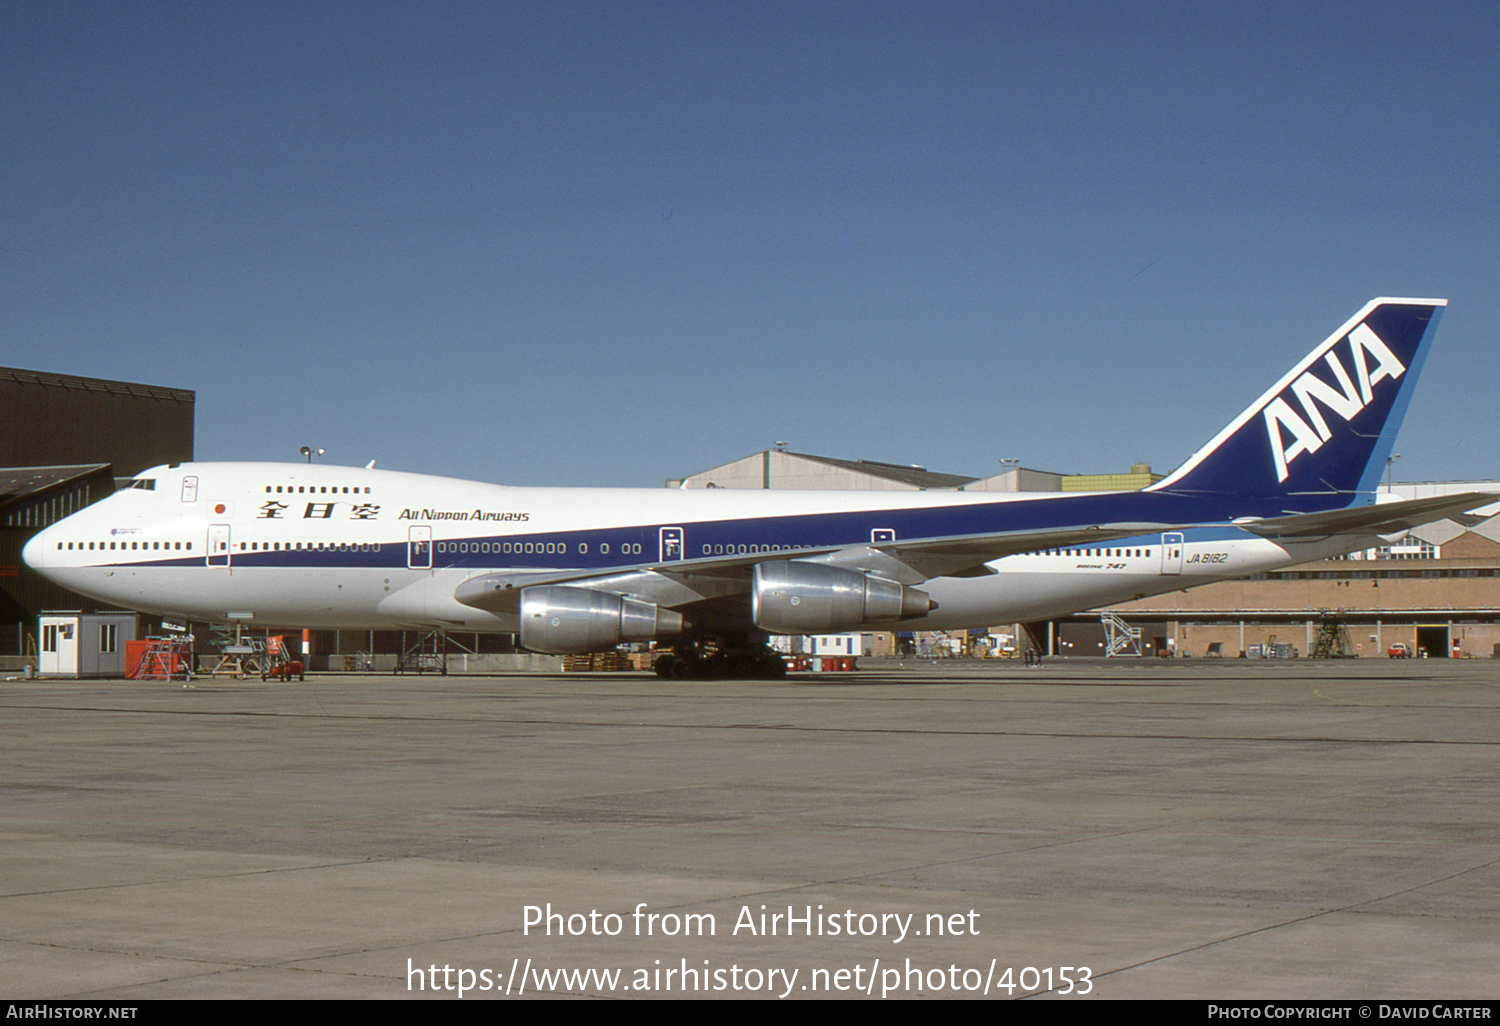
(64,440)
(779,468)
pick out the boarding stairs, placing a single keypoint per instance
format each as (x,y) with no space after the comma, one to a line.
(428,655)
(1119,636)
(1333,638)
(162,659)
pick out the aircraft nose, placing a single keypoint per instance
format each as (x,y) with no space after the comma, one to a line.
(35,554)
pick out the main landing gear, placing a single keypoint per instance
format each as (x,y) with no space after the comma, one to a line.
(705,662)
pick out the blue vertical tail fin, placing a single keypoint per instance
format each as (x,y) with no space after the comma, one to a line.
(1327,427)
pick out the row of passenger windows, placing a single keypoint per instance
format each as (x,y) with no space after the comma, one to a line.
(1095,553)
(316,490)
(527,548)
(561,548)
(530,548)
(309,546)
(550,548)
(122,546)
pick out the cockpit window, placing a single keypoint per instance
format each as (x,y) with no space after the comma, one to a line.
(144,483)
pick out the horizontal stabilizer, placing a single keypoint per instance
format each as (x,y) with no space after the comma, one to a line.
(1385,518)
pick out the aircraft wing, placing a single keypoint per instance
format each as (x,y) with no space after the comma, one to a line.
(682,582)
(1383,518)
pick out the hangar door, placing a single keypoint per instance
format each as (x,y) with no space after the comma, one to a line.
(1432,640)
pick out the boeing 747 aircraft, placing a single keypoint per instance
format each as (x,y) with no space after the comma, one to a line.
(570,570)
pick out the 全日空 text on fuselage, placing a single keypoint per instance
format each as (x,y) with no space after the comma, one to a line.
(296,545)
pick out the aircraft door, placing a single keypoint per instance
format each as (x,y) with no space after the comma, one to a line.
(190,489)
(218,544)
(671,548)
(1171,555)
(419,548)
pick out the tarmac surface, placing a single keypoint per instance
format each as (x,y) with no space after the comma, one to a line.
(1193,829)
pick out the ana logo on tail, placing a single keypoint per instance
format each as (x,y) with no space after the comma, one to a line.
(1310,432)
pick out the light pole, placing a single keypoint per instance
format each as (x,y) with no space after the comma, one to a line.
(310,452)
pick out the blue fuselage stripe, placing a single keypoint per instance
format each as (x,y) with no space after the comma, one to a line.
(634,545)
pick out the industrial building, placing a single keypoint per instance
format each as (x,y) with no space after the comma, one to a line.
(1436,592)
(64,441)
(779,468)
(57,419)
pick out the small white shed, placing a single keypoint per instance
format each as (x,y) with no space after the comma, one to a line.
(84,644)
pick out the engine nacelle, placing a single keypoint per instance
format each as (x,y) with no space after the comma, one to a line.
(796,597)
(562,620)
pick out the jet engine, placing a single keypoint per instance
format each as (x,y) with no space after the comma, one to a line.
(796,597)
(562,620)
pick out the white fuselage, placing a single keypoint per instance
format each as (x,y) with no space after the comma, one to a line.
(337,547)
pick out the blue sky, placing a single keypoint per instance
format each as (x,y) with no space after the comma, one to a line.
(611,243)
